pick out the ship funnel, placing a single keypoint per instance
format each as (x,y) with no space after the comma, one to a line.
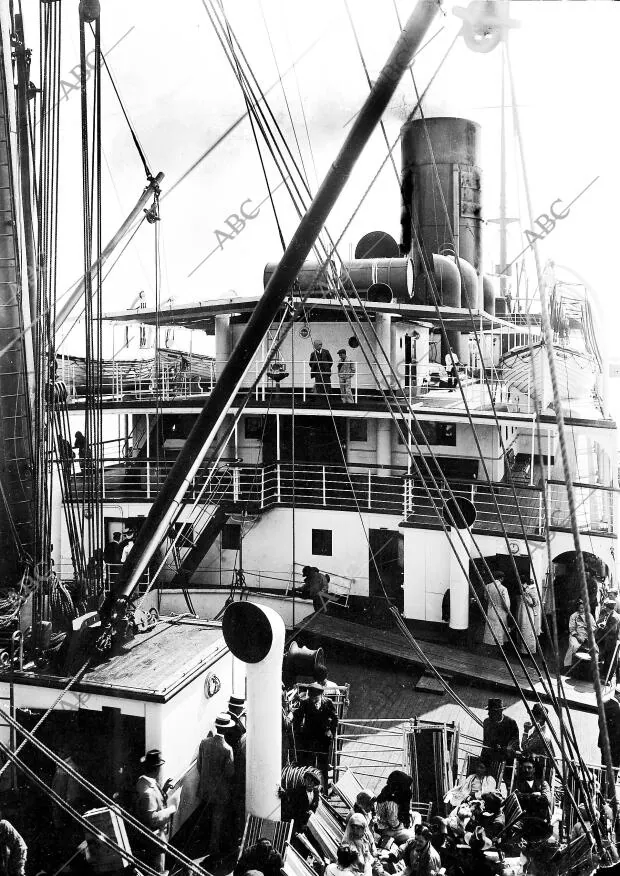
(461,514)
(441,165)
(255,635)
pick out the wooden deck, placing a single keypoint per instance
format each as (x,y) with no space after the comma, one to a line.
(153,667)
(450,661)
(381,693)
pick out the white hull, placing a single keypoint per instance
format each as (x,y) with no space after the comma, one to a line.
(208,604)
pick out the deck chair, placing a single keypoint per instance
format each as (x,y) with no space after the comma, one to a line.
(334,818)
(512,811)
(324,839)
(575,854)
(278,832)
(295,864)
(311,849)
(422,809)
(495,767)
(347,787)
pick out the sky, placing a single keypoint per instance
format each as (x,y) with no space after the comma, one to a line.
(181,96)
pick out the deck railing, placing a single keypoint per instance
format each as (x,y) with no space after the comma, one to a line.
(355,488)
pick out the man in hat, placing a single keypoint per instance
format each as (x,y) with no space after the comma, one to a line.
(500,734)
(577,633)
(216,770)
(608,633)
(152,808)
(315,583)
(346,371)
(612,720)
(481,863)
(321,368)
(236,738)
(536,738)
(315,723)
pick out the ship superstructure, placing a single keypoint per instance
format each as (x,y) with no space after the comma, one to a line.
(309,478)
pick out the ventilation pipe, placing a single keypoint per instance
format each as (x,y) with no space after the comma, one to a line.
(489,295)
(460,513)
(255,635)
(311,276)
(395,273)
(447,282)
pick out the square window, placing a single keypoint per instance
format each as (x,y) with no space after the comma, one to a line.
(231,537)
(253,427)
(322,542)
(358,430)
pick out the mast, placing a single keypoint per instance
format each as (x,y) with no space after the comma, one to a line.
(16,470)
(205,429)
(76,296)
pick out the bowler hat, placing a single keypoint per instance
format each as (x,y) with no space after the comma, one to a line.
(538,709)
(152,759)
(223,721)
(315,688)
(341,351)
(495,703)
(236,705)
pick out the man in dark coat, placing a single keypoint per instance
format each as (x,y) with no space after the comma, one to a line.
(315,723)
(607,633)
(534,794)
(612,720)
(315,582)
(321,368)
(500,734)
(302,800)
(216,770)
(112,554)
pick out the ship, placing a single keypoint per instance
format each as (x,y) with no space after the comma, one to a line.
(424,454)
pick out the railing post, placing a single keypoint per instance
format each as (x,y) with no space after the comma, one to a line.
(235,484)
(102,479)
(148,479)
(262,487)
(405,490)
(278,481)
(540,513)
(369,487)
(304,383)
(324,488)
(356,386)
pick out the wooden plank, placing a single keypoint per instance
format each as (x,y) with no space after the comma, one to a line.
(447,659)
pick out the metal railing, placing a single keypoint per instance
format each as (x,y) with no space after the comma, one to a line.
(389,490)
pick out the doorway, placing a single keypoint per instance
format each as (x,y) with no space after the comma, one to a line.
(385,569)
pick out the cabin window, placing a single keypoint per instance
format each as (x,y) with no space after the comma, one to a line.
(253,427)
(443,434)
(358,430)
(322,542)
(231,537)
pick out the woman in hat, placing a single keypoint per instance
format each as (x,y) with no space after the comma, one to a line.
(394,808)
(528,617)
(498,608)
(537,738)
(472,787)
